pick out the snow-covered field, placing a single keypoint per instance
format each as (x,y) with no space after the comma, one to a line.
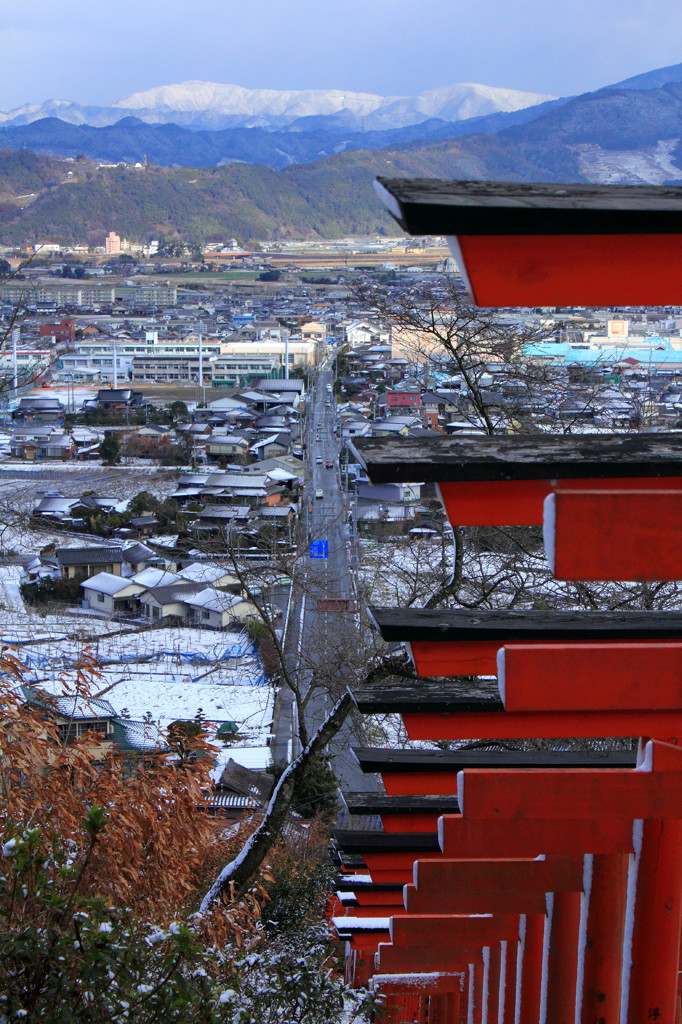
(159,674)
(23,484)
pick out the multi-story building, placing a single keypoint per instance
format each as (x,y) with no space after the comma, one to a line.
(90,295)
(112,243)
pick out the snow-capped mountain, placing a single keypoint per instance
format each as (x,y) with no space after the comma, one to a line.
(214,105)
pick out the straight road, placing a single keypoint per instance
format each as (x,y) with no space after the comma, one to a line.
(323,643)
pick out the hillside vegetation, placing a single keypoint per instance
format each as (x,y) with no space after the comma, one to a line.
(333,197)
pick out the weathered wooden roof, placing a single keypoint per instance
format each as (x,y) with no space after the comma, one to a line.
(349,883)
(433,206)
(519,457)
(387,760)
(386,842)
(424,695)
(380,803)
(414,624)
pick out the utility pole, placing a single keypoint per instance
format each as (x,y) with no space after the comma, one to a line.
(201,356)
(114,349)
(15,372)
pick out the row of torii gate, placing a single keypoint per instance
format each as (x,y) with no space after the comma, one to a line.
(537,886)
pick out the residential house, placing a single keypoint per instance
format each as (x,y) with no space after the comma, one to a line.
(164,602)
(76,716)
(86,562)
(218,610)
(111,595)
(142,526)
(117,398)
(227,445)
(39,410)
(437,407)
(137,557)
(269,447)
(400,400)
(209,575)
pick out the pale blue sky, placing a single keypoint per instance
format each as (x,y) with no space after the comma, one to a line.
(96,52)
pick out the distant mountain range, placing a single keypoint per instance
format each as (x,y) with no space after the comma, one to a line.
(630,133)
(213,106)
(311,125)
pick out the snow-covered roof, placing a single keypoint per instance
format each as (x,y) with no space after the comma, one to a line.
(108,583)
(212,600)
(252,757)
(73,705)
(154,577)
(202,572)
(280,475)
(175,593)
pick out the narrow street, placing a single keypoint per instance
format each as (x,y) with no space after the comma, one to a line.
(321,638)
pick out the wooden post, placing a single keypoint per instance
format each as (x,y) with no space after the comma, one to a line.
(604,901)
(657,919)
(493,987)
(563,958)
(531,969)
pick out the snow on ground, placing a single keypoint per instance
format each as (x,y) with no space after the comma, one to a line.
(166,698)
(404,571)
(68,395)
(10,596)
(161,674)
(23,484)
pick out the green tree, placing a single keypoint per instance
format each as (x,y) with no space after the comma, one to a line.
(109,448)
(178,411)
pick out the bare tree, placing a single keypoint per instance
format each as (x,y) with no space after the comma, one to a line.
(437,329)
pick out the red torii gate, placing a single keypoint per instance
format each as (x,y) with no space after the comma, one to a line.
(644,805)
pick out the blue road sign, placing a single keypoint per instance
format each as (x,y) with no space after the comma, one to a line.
(319,549)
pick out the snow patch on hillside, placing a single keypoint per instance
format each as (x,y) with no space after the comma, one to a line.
(651,166)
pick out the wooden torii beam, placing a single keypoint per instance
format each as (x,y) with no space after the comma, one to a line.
(459,710)
(503,480)
(403,813)
(641,546)
(539,244)
(590,676)
(448,642)
(434,771)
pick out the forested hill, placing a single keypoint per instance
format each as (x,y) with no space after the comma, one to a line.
(328,198)
(609,136)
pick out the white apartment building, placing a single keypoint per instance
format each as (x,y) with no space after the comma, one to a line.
(94,358)
(301,353)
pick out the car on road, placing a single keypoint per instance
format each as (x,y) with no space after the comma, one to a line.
(318,460)
(319,493)
(328,464)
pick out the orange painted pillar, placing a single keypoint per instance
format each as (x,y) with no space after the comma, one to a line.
(652,989)
(478,989)
(531,969)
(452,1007)
(493,958)
(510,958)
(562,966)
(604,928)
